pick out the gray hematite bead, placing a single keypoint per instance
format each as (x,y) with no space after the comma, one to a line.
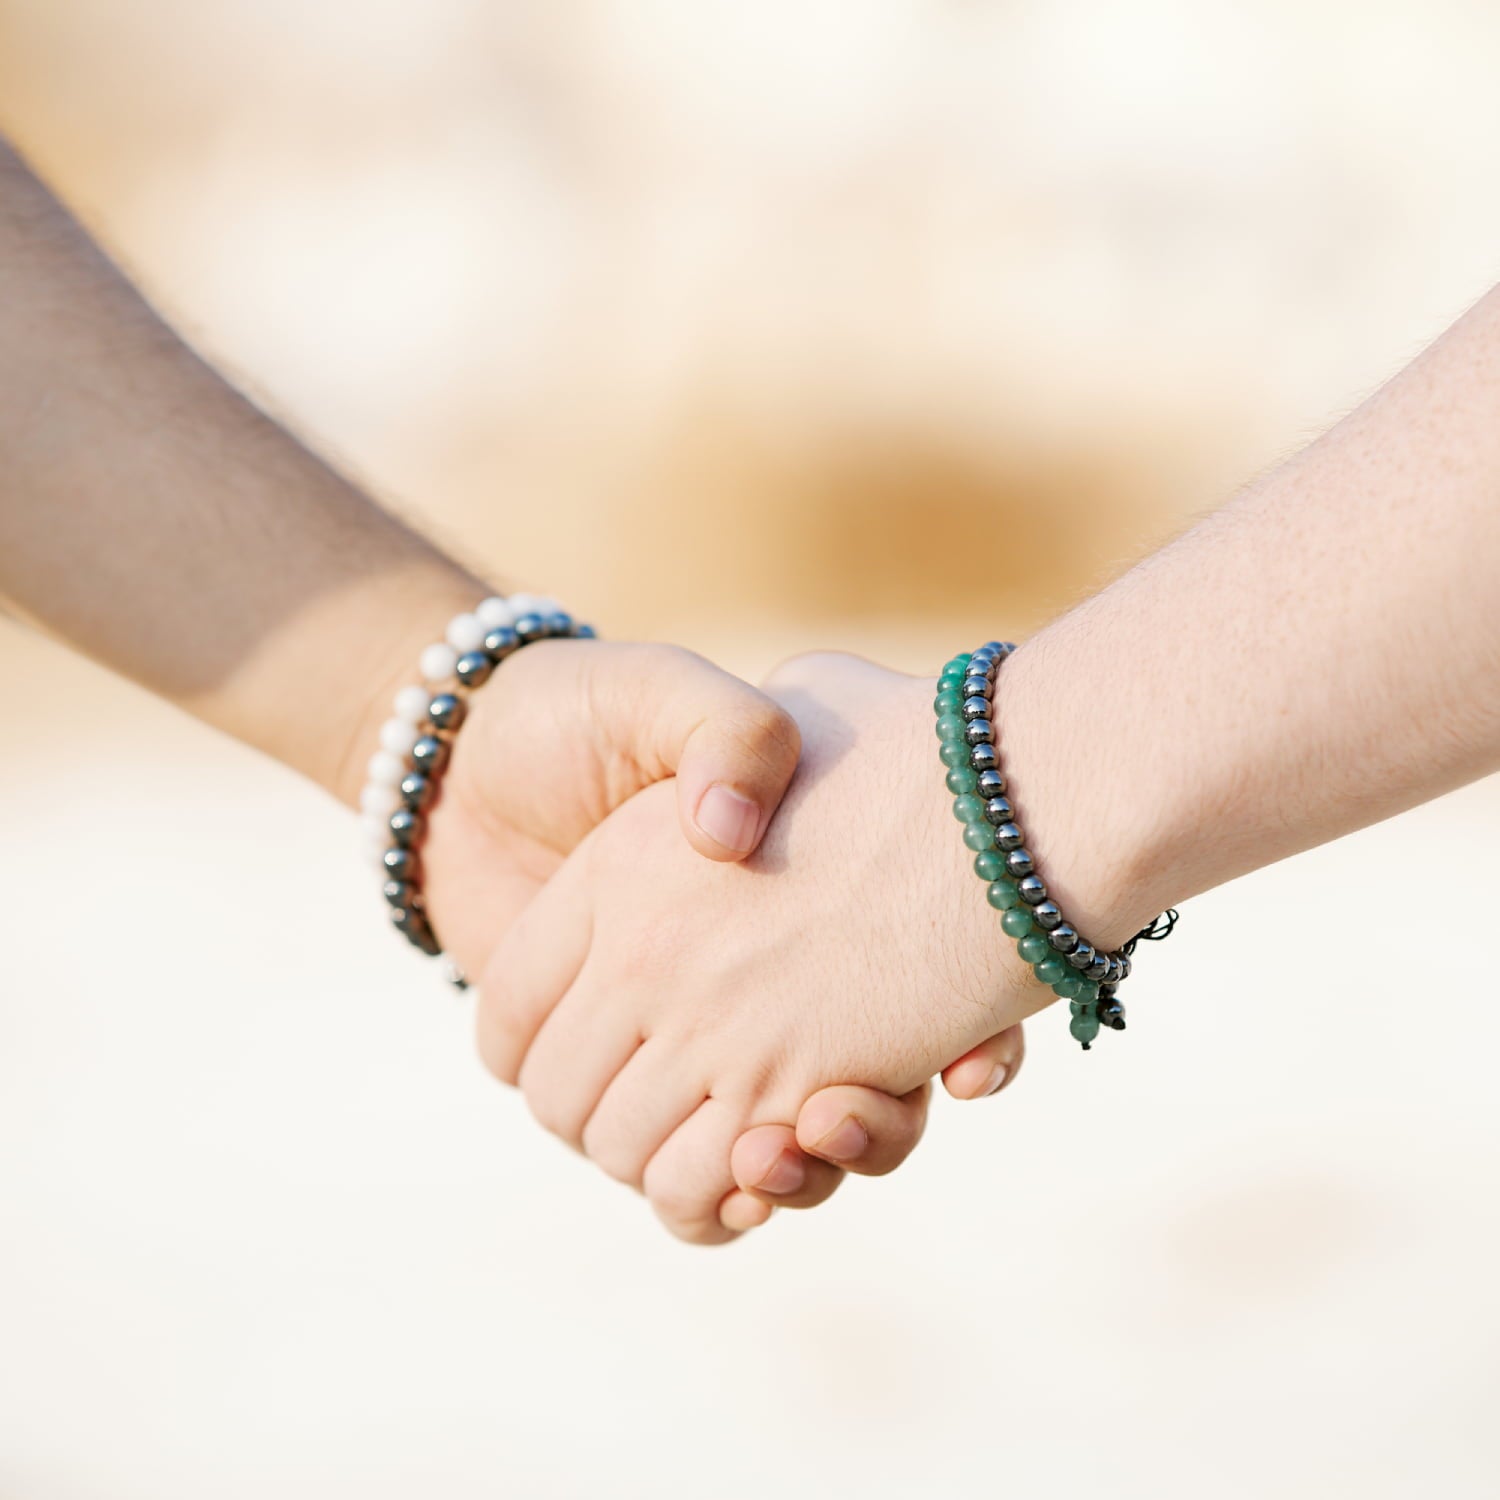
(984,758)
(500,642)
(429,755)
(558,625)
(1124,967)
(1082,955)
(473,669)
(1099,967)
(975,708)
(1047,916)
(1019,864)
(1033,890)
(1063,937)
(417,929)
(585,633)
(446,711)
(991,784)
(979,732)
(400,863)
(530,628)
(406,826)
(401,893)
(1008,837)
(416,789)
(1116,970)
(998,810)
(976,687)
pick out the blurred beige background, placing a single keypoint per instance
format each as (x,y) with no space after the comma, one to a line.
(730,324)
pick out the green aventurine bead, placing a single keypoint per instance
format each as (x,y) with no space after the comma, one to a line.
(954,753)
(962,779)
(979,835)
(989,864)
(1034,948)
(968,809)
(1016,923)
(951,681)
(957,663)
(950,727)
(1084,1028)
(1049,971)
(948,701)
(1070,987)
(1002,894)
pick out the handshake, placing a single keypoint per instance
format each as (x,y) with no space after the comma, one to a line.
(723,938)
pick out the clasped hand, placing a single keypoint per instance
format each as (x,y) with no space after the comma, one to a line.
(723,937)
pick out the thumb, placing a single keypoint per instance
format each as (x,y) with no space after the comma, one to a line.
(732,749)
(989,1067)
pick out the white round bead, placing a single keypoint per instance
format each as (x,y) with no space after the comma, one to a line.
(385,769)
(438,662)
(527,604)
(411,703)
(397,736)
(379,801)
(547,605)
(466,633)
(496,612)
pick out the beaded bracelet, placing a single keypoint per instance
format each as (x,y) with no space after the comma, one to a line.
(1060,957)
(416,741)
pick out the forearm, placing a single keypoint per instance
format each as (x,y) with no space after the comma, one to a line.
(1320,654)
(155,519)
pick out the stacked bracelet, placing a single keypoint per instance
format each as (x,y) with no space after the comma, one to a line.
(1060,957)
(416,741)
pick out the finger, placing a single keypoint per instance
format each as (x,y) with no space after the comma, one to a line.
(989,1067)
(770,1167)
(645,1102)
(862,1130)
(740,1211)
(532,968)
(573,1059)
(688,1178)
(732,749)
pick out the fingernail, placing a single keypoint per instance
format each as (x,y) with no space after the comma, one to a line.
(845,1142)
(786,1175)
(728,818)
(997,1080)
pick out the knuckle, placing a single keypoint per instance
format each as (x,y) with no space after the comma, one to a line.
(801,668)
(675,1201)
(769,735)
(496,1047)
(549,1108)
(614,1157)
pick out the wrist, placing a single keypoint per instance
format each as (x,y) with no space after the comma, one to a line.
(316,700)
(1099,824)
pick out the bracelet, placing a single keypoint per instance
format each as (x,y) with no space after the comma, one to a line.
(416,742)
(1087,977)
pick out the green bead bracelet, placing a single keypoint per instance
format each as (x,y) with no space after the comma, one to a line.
(1057,955)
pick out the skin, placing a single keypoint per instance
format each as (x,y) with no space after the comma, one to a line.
(1321,653)
(153,518)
